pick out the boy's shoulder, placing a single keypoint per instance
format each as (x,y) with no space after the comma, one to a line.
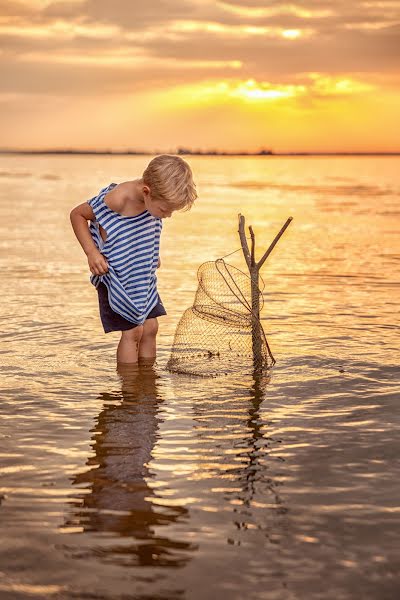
(119,197)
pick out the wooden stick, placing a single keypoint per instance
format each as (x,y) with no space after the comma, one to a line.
(243,240)
(272,246)
(253,246)
(254,269)
(255,317)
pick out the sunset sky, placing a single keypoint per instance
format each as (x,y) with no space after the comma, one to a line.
(231,75)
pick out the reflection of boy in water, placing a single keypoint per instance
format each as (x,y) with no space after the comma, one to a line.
(118,499)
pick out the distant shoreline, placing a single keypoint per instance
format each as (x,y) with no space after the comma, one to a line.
(185,152)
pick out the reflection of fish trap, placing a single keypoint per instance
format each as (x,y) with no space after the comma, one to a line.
(214,336)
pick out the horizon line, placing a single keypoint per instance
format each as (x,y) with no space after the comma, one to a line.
(189,152)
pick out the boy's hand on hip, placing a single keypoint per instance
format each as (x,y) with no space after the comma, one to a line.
(97,263)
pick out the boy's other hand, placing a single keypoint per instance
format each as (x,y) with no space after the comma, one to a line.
(97,263)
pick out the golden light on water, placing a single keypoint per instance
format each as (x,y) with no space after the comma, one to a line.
(151,472)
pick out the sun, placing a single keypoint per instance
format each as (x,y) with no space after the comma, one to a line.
(252,90)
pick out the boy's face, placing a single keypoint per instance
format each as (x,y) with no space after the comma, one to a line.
(157,208)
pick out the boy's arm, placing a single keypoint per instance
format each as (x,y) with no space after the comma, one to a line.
(79,216)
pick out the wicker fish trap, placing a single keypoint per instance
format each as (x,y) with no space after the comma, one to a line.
(215,335)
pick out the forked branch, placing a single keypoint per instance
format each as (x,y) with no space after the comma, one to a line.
(257,332)
(250,257)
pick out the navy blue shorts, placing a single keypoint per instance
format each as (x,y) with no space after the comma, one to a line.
(113,321)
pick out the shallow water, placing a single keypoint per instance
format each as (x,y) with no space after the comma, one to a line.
(153,485)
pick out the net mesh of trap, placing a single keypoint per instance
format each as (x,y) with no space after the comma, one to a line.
(215,335)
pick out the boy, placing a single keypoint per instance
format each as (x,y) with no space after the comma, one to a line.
(122,246)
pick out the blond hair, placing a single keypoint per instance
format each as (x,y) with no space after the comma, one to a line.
(170,179)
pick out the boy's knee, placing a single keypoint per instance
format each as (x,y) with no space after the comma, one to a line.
(150,327)
(135,334)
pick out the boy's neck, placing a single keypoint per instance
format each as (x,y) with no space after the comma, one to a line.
(137,192)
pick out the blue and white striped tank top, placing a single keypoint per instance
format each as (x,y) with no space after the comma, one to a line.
(132,249)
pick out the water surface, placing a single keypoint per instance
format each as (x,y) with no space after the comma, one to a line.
(146,484)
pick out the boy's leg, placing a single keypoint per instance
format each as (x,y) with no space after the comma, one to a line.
(147,346)
(128,347)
